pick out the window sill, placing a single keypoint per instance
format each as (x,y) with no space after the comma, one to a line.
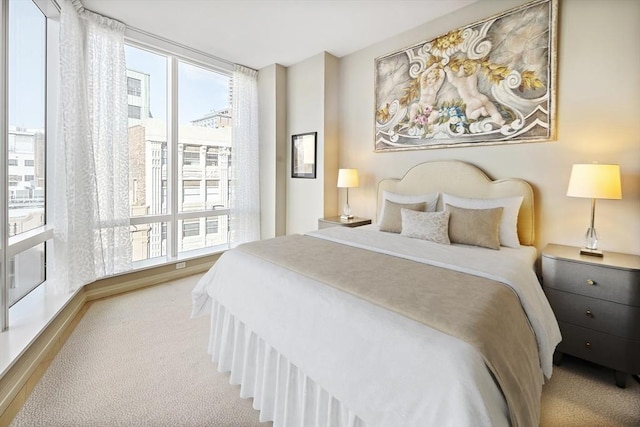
(27,319)
(34,312)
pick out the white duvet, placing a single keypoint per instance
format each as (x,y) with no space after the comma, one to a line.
(380,367)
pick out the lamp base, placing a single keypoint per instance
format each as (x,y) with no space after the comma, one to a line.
(345,217)
(591,252)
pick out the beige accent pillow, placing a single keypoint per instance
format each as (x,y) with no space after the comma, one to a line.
(476,227)
(431,226)
(391,220)
(509,221)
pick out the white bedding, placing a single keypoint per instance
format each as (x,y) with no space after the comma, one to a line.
(381,370)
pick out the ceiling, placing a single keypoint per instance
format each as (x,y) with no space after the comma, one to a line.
(258,33)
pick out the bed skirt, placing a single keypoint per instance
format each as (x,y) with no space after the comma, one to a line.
(280,391)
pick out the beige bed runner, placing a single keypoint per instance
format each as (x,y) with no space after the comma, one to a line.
(479,311)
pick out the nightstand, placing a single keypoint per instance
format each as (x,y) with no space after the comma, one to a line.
(335,221)
(597,304)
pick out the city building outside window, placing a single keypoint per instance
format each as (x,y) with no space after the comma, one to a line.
(199,152)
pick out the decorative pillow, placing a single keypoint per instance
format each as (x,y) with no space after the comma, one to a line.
(509,221)
(431,226)
(476,227)
(392,220)
(430,199)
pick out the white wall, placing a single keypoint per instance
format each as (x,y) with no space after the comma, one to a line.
(312,107)
(598,98)
(273,154)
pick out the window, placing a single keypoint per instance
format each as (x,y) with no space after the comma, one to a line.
(213,195)
(202,94)
(190,228)
(159,226)
(26,145)
(191,156)
(134,86)
(148,240)
(212,157)
(212,225)
(191,196)
(134,112)
(147,72)
(196,151)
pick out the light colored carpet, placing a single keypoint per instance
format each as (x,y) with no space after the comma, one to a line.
(138,360)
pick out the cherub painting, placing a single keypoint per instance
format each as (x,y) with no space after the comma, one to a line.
(488,83)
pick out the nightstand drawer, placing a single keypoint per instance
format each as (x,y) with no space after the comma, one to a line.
(614,352)
(604,316)
(612,284)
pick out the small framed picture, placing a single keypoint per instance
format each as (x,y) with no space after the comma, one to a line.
(303,155)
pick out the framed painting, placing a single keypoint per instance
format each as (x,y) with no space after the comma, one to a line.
(491,82)
(303,155)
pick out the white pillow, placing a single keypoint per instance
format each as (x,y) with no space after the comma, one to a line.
(430,199)
(509,221)
(431,226)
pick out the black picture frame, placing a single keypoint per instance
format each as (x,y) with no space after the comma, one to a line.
(304,150)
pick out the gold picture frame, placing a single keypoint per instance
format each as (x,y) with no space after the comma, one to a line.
(491,82)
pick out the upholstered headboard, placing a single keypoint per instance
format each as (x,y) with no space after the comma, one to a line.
(463,180)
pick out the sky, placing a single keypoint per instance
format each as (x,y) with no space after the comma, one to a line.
(26,69)
(200,91)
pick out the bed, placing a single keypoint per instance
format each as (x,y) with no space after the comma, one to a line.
(378,327)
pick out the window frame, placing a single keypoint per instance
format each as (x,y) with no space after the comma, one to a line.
(175,54)
(24,241)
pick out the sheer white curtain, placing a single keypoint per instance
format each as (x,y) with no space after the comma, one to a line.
(91,172)
(245,184)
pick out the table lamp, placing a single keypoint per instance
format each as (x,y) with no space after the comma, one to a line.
(594,181)
(347,178)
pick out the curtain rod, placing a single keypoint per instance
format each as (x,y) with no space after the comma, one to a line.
(165,40)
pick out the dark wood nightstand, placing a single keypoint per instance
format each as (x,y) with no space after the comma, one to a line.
(597,304)
(335,221)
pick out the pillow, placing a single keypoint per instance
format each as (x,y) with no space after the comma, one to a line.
(476,227)
(431,226)
(430,199)
(391,220)
(509,221)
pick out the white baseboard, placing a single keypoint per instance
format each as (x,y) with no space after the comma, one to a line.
(143,282)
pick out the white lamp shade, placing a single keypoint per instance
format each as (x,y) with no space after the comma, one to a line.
(347,178)
(595,181)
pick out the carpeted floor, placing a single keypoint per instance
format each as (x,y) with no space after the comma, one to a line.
(139,360)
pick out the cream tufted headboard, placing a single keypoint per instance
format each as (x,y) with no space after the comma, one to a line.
(463,180)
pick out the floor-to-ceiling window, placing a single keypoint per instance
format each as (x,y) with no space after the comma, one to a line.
(180,150)
(26,147)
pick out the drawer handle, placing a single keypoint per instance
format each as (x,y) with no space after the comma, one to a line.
(591,282)
(589,314)
(587,345)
